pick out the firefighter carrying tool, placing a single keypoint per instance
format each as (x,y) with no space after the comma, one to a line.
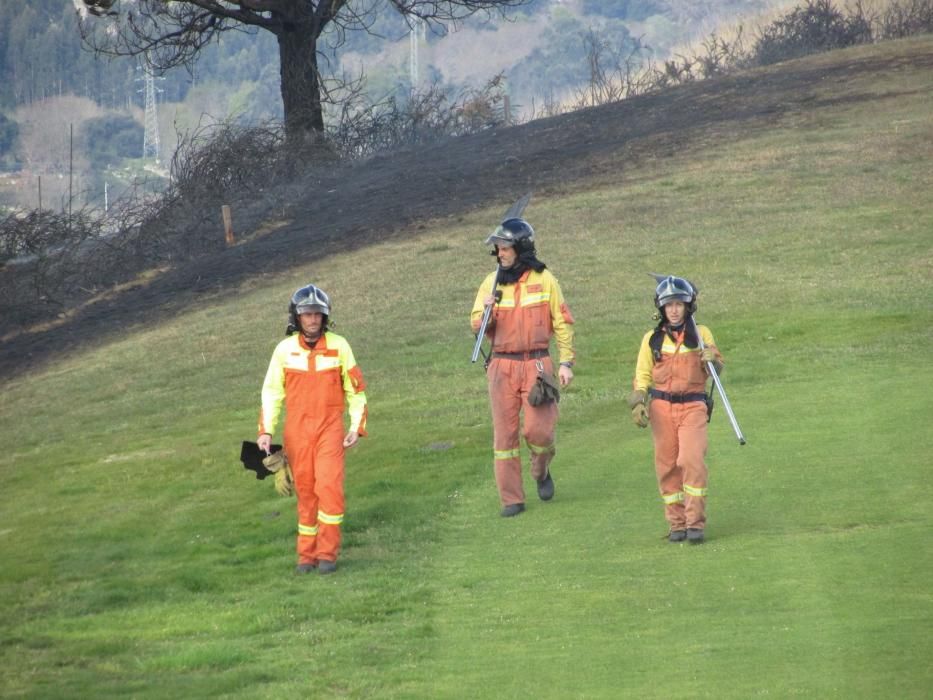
(311,373)
(521,322)
(672,371)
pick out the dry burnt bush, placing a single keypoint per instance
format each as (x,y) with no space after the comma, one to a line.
(52,262)
(811,28)
(902,18)
(38,276)
(426,116)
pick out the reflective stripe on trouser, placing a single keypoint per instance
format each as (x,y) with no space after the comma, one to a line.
(679,431)
(315,453)
(509,384)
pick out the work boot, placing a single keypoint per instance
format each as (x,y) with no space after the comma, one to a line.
(676,536)
(694,535)
(325,566)
(546,487)
(513,509)
(305,567)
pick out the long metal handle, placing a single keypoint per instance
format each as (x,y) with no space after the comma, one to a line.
(487,312)
(722,392)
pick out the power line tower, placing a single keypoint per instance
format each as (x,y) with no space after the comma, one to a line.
(416,34)
(151,134)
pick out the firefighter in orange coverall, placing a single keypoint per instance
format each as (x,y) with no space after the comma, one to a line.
(312,372)
(671,369)
(529,311)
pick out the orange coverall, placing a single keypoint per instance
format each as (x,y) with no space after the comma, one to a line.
(678,427)
(520,328)
(313,384)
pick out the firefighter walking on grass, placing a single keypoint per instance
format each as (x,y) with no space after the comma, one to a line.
(670,393)
(312,373)
(528,310)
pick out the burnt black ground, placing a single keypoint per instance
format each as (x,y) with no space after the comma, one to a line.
(357,205)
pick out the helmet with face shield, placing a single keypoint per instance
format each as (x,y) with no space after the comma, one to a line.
(513,232)
(673,288)
(307,299)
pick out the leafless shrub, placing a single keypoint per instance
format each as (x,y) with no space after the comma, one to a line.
(616,76)
(902,18)
(613,74)
(37,251)
(226,158)
(721,56)
(550,107)
(813,27)
(428,115)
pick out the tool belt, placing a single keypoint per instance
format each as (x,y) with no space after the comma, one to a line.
(530,355)
(677,398)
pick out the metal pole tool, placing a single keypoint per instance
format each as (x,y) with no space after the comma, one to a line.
(513,212)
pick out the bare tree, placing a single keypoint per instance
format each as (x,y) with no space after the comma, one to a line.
(170,34)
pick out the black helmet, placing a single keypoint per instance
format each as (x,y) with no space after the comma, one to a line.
(514,232)
(672,288)
(308,299)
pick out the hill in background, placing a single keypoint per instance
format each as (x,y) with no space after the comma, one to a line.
(355,205)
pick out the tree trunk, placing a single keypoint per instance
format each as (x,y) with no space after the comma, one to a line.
(300,84)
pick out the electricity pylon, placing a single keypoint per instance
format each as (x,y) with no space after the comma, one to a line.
(151,134)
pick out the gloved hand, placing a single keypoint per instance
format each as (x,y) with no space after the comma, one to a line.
(275,461)
(284,481)
(709,354)
(636,401)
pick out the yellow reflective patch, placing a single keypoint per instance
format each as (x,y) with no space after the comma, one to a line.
(326,362)
(540,298)
(540,449)
(507,454)
(671,498)
(329,519)
(694,491)
(309,530)
(668,347)
(297,361)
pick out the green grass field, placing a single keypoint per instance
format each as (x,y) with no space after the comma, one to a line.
(140,560)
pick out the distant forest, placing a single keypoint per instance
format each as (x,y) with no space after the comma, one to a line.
(52,87)
(42,57)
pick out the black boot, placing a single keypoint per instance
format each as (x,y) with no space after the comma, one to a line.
(694,535)
(546,487)
(513,509)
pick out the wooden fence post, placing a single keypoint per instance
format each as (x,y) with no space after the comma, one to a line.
(228,224)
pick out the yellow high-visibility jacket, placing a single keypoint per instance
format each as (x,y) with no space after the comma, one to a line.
(313,382)
(680,369)
(529,313)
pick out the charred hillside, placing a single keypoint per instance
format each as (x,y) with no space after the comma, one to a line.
(357,205)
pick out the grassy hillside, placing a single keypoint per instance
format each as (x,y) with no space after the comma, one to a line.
(140,560)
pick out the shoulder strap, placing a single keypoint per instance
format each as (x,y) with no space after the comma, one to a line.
(655,342)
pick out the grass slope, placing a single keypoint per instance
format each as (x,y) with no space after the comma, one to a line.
(139,559)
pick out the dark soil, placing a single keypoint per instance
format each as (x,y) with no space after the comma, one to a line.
(357,205)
